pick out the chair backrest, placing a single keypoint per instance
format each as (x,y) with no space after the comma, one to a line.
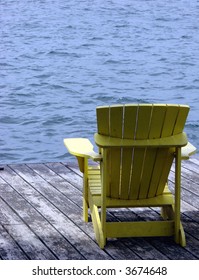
(137,173)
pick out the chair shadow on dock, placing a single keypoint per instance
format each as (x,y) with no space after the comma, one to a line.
(41,217)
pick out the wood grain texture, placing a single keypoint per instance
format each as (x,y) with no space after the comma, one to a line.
(41,217)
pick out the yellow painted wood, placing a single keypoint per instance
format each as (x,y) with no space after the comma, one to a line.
(99,234)
(103,116)
(147,173)
(126,172)
(130,121)
(177,194)
(115,172)
(143,122)
(156,183)
(78,146)
(85,191)
(178,140)
(81,147)
(157,201)
(157,120)
(80,163)
(170,120)
(137,145)
(136,174)
(140,229)
(188,151)
(105,173)
(181,119)
(168,160)
(105,187)
(116,121)
(182,238)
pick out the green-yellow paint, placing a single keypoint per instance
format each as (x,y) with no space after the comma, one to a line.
(137,144)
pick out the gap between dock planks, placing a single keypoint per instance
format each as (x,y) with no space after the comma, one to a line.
(41,218)
(43,208)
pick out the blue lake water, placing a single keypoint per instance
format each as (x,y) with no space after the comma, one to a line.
(60,59)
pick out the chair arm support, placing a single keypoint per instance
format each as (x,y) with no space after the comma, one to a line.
(81,147)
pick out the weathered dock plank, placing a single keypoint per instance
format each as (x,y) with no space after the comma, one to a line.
(23,213)
(31,189)
(41,217)
(9,249)
(60,184)
(74,213)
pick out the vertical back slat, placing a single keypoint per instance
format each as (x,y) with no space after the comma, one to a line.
(129,126)
(138,159)
(103,120)
(168,160)
(157,172)
(105,171)
(182,116)
(170,120)
(136,173)
(141,132)
(149,170)
(116,130)
(143,121)
(157,121)
(126,172)
(116,121)
(147,173)
(115,157)
(130,120)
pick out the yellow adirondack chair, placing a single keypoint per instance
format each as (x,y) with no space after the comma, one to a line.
(137,146)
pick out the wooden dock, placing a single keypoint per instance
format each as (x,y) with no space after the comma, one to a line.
(41,217)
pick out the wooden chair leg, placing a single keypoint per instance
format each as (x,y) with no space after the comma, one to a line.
(178,227)
(85,191)
(85,210)
(97,224)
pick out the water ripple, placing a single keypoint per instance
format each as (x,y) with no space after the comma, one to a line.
(59,61)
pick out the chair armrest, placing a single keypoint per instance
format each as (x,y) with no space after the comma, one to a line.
(81,147)
(188,150)
(178,140)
